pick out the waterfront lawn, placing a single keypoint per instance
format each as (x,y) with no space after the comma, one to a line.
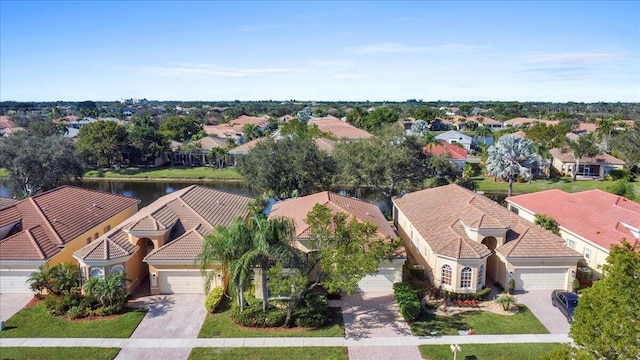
(489,351)
(36,322)
(482,322)
(487,184)
(58,353)
(176,172)
(302,353)
(220,325)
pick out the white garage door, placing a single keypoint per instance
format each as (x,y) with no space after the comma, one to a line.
(541,279)
(181,282)
(14,282)
(380,282)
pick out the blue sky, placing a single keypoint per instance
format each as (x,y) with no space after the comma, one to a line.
(523,51)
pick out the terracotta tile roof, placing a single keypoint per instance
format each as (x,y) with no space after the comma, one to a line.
(194,207)
(440,214)
(324,144)
(207,143)
(186,247)
(5,201)
(57,217)
(298,208)
(259,121)
(598,159)
(444,148)
(223,131)
(520,133)
(586,127)
(595,215)
(246,147)
(340,129)
(485,120)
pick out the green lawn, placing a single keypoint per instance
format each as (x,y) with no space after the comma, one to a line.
(191,173)
(482,322)
(489,351)
(36,322)
(487,184)
(58,353)
(220,325)
(298,353)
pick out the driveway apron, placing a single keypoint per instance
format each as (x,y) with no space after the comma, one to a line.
(10,304)
(169,317)
(539,302)
(375,315)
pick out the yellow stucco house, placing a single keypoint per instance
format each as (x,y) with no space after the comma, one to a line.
(49,227)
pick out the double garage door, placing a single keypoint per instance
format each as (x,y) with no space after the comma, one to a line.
(541,279)
(181,282)
(380,282)
(14,281)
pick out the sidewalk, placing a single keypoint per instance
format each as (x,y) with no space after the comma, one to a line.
(283,342)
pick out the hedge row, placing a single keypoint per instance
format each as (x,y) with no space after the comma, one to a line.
(407,300)
(480,295)
(214,299)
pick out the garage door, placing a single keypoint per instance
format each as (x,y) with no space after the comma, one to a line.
(181,282)
(541,279)
(381,282)
(14,282)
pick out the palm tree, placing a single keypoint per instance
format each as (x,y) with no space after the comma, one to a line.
(40,280)
(111,290)
(219,154)
(484,132)
(250,132)
(584,146)
(605,131)
(224,246)
(65,277)
(272,242)
(509,158)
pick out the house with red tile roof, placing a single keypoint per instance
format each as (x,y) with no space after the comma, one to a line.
(452,152)
(47,228)
(342,130)
(464,240)
(161,242)
(589,221)
(492,124)
(297,209)
(8,127)
(596,167)
(526,122)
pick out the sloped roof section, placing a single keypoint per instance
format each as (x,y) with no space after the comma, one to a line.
(440,214)
(340,129)
(5,201)
(186,247)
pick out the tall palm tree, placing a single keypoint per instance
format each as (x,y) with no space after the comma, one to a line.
(65,277)
(40,280)
(605,131)
(484,132)
(272,242)
(509,158)
(584,146)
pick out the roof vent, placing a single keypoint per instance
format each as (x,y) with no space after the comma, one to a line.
(95,205)
(55,221)
(217,202)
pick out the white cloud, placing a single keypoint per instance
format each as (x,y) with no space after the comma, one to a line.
(214,71)
(571,58)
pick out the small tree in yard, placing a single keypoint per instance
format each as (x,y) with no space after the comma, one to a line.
(506,301)
(509,158)
(548,223)
(606,322)
(584,146)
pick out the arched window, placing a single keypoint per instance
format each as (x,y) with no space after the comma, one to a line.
(96,272)
(480,277)
(117,269)
(465,278)
(446,275)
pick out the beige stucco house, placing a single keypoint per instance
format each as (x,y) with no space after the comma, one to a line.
(161,242)
(49,227)
(590,222)
(596,167)
(389,272)
(464,240)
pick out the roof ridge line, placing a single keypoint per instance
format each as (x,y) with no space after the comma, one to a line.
(34,242)
(46,221)
(108,255)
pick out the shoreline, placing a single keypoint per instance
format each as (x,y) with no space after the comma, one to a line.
(149,179)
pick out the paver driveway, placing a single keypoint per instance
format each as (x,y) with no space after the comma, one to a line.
(178,316)
(10,304)
(539,302)
(376,315)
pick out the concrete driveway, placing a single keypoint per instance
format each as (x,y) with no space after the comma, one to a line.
(539,302)
(10,304)
(376,315)
(177,316)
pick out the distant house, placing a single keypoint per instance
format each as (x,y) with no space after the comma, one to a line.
(8,127)
(196,158)
(590,167)
(452,152)
(528,122)
(297,209)
(464,241)
(47,228)
(487,122)
(453,137)
(245,148)
(342,130)
(589,221)
(160,243)
(324,144)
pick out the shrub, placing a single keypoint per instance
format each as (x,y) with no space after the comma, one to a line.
(55,305)
(213,299)
(617,174)
(407,300)
(506,301)
(477,296)
(77,312)
(623,188)
(253,316)
(312,311)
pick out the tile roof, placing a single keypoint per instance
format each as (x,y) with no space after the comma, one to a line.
(246,147)
(595,215)
(186,247)
(259,121)
(50,220)
(5,201)
(196,207)
(440,215)
(324,144)
(208,142)
(449,150)
(485,120)
(598,159)
(340,129)
(586,127)
(298,208)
